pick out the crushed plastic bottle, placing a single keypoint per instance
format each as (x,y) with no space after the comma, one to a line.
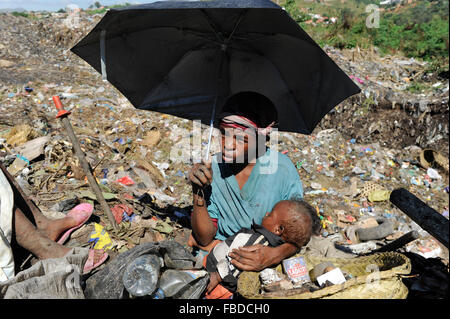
(174,283)
(195,289)
(141,276)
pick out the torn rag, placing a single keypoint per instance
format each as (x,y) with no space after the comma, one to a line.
(245,124)
(52,278)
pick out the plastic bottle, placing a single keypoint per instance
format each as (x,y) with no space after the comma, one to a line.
(173,282)
(195,289)
(141,276)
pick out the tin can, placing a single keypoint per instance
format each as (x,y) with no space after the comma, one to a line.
(296,269)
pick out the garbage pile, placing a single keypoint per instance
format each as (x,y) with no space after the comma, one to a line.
(350,186)
(37,47)
(153,270)
(348,171)
(130,168)
(387,110)
(296,276)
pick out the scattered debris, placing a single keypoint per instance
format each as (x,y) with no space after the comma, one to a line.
(381,140)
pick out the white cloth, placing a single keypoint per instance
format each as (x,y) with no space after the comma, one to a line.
(6,213)
(53,278)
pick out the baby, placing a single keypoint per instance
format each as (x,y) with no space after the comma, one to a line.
(292,221)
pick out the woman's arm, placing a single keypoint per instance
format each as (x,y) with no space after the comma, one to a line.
(203,229)
(259,257)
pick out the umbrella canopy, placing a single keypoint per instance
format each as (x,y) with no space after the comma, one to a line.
(184,58)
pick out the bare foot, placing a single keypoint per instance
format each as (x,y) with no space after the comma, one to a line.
(54,228)
(35,240)
(193,243)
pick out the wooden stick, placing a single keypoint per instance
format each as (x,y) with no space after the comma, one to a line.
(62,115)
(87,170)
(425,216)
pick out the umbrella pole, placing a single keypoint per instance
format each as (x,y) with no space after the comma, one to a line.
(102,55)
(219,75)
(211,126)
(213,114)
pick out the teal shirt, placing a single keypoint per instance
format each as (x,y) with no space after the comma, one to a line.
(273,178)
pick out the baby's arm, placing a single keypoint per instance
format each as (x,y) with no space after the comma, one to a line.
(219,265)
(214,280)
(217,260)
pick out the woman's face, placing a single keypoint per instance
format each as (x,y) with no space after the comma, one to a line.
(237,145)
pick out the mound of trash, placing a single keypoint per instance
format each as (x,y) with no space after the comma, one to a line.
(382,139)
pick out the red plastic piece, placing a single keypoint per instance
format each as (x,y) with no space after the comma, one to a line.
(61,111)
(127,181)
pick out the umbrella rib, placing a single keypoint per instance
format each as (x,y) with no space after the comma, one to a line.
(109,37)
(241,17)
(224,43)
(279,73)
(203,36)
(212,25)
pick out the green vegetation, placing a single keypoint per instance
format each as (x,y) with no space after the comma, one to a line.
(426,40)
(416,87)
(294,11)
(100,10)
(419,30)
(20,14)
(366,106)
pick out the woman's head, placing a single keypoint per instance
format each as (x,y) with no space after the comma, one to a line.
(254,106)
(245,122)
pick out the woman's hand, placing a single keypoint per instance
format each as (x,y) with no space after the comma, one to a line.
(201,174)
(259,257)
(203,229)
(252,258)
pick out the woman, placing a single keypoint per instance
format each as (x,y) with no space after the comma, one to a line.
(243,182)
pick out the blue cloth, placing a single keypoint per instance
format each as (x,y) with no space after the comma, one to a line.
(273,178)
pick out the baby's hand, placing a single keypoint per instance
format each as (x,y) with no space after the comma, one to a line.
(214,280)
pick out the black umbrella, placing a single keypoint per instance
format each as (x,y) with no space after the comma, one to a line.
(185,58)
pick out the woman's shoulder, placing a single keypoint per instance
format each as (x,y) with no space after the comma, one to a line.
(280,158)
(277,163)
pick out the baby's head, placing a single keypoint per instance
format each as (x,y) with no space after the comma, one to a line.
(293,220)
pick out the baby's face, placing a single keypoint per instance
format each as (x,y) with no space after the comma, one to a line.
(273,219)
(279,222)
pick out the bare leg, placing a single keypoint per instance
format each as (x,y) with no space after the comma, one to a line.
(38,240)
(51,228)
(34,240)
